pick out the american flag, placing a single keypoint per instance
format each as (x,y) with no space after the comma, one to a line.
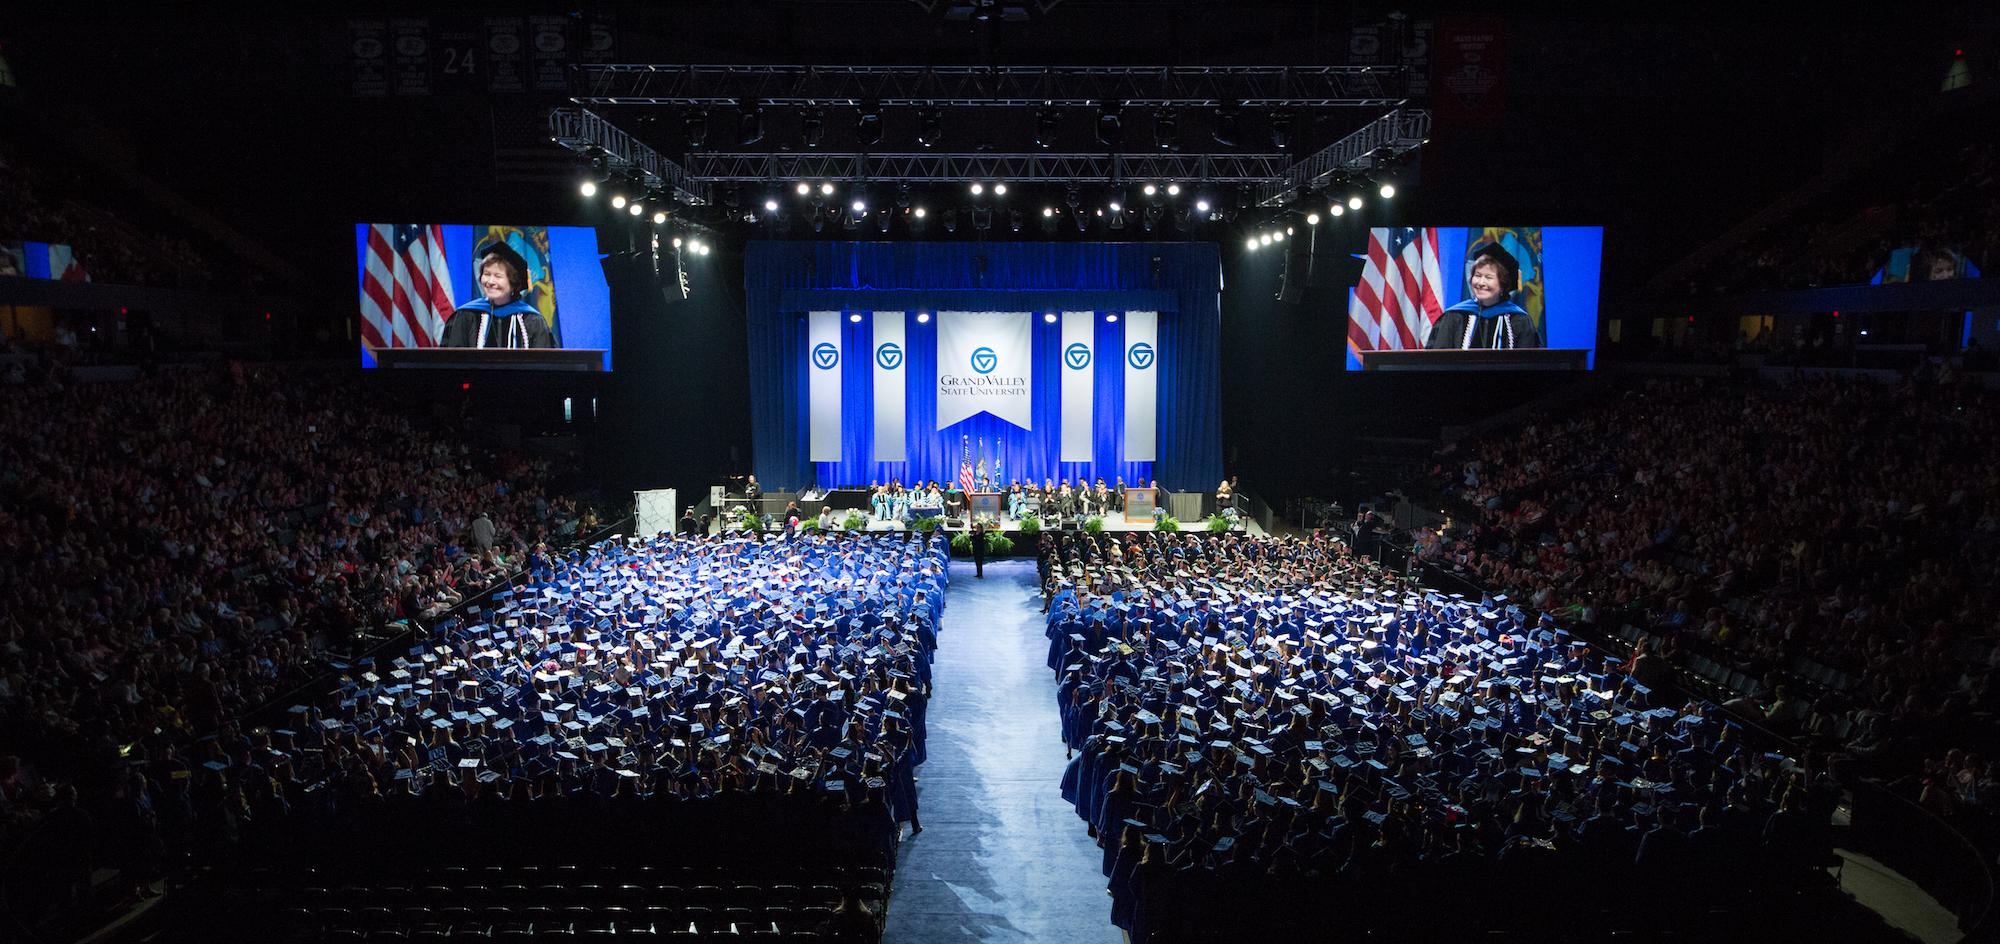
(405,289)
(965,463)
(1397,301)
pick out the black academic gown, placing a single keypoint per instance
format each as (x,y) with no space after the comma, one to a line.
(513,325)
(1449,331)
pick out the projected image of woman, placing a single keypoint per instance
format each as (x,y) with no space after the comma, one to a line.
(501,317)
(1489,319)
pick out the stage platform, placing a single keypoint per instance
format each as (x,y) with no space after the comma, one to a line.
(1114,523)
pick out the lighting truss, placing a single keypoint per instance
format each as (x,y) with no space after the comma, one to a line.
(1013,168)
(999,86)
(1400,131)
(579,130)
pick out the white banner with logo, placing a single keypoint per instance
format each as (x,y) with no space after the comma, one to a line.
(1079,391)
(1142,384)
(891,359)
(984,366)
(823,385)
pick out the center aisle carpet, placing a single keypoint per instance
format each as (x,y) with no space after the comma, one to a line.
(1001,857)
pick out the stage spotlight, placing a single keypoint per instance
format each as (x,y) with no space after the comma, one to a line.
(1277,237)
(882,219)
(999,190)
(1047,121)
(1173,190)
(804,188)
(860,206)
(868,125)
(826,189)
(1111,318)
(1312,219)
(982,218)
(918,212)
(1149,217)
(677,242)
(749,123)
(1250,245)
(1049,318)
(1337,209)
(930,127)
(1264,240)
(1281,129)
(618,201)
(588,188)
(1115,208)
(854,318)
(1014,220)
(696,124)
(770,206)
(1166,130)
(1354,202)
(1228,121)
(978,188)
(634,208)
(704,249)
(1201,206)
(951,221)
(813,126)
(923,317)
(1150,190)
(1049,220)
(1388,190)
(1290,232)
(1048,211)
(1108,131)
(1072,198)
(659,217)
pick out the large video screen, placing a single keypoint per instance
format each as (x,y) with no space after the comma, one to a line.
(487,295)
(1529,290)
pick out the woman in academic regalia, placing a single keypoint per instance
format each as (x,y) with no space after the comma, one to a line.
(500,318)
(1489,319)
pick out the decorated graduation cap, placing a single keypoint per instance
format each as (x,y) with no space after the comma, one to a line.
(1510,267)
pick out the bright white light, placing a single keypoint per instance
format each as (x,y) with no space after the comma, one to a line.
(1264,240)
(1201,206)
(826,189)
(1050,317)
(1048,211)
(1387,191)
(704,249)
(920,213)
(804,188)
(677,242)
(923,317)
(635,209)
(1354,202)
(856,317)
(618,201)
(999,190)
(1336,209)
(1150,190)
(1277,237)
(860,206)
(589,189)
(770,206)
(1173,190)
(659,216)
(1250,244)
(1111,318)
(1312,219)
(1290,231)
(978,188)
(1115,207)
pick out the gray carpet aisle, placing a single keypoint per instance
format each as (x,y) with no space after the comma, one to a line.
(1002,857)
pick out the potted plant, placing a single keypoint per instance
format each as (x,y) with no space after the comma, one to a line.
(1094,524)
(1169,524)
(1031,526)
(926,525)
(1217,524)
(854,521)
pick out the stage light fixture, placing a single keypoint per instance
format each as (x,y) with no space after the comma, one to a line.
(770,206)
(634,208)
(696,123)
(1264,240)
(1354,202)
(1228,122)
(1014,220)
(1049,318)
(704,249)
(677,242)
(1111,318)
(659,217)
(1108,130)
(749,123)
(813,127)
(868,125)
(1173,190)
(1337,209)
(883,218)
(1150,190)
(803,188)
(1388,190)
(978,188)
(1281,129)
(930,127)
(1047,122)
(1312,219)
(1000,190)
(854,318)
(826,189)
(1201,206)
(923,317)
(860,206)
(618,201)
(1251,245)
(1166,130)
(588,188)
(1115,208)
(1290,232)
(1149,217)
(1072,198)
(1277,237)
(918,212)
(1048,211)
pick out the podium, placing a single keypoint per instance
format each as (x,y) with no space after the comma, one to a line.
(986,503)
(579,360)
(1139,504)
(1524,358)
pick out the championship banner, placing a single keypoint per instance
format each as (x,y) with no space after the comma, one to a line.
(890,389)
(984,367)
(823,385)
(1142,384)
(1079,366)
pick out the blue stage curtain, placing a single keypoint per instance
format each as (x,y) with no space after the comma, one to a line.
(1180,280)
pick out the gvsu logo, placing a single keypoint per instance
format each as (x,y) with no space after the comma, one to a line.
(984,360)
(825,355)
(1077,356)
(1140,356)
(889,356)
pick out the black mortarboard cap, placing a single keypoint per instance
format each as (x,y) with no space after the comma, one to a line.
(499,247)
(1498,253)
